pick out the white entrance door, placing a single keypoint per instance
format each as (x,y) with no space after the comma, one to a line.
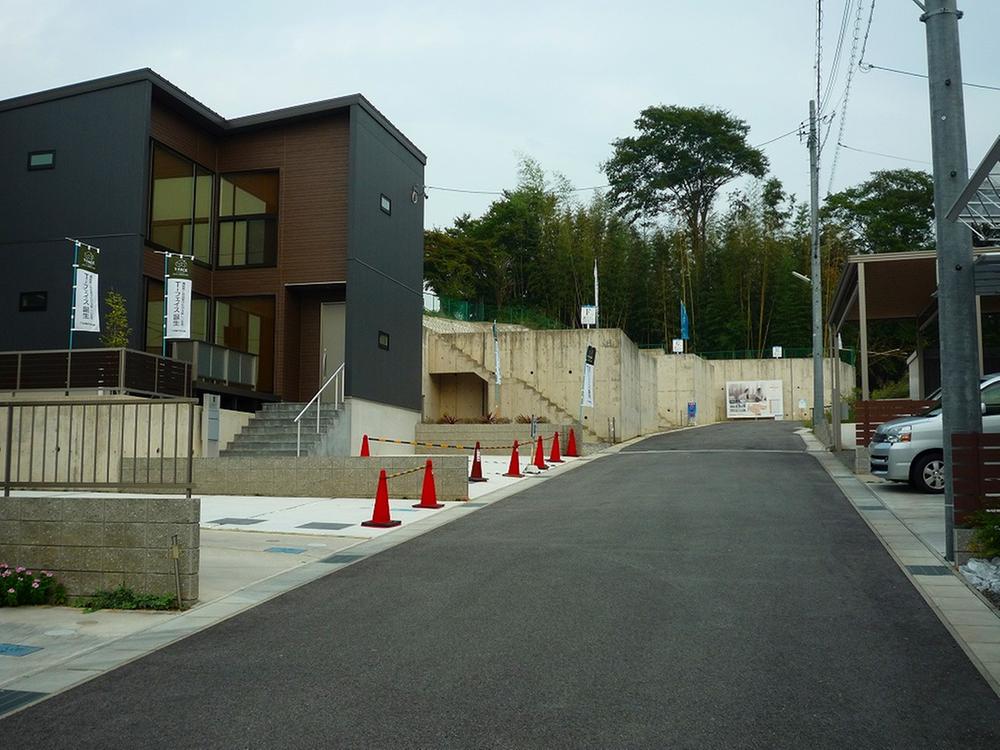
(331,337)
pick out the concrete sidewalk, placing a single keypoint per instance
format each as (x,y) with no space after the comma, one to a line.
(910,525)
(260,551)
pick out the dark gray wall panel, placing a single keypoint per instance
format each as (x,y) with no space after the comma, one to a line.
(384,268)
(96,192)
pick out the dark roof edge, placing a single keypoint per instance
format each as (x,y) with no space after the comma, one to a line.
(210,116)
(327,105)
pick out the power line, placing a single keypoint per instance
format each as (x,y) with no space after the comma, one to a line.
(850,80)
(502,192)
(837,56)
(869,66)
(879,153)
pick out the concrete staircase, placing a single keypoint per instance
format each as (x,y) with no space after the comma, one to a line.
(272,431)
(537,402)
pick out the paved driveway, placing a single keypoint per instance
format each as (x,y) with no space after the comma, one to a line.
(697,590)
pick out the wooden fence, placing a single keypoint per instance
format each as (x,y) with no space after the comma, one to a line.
(975,466)
(870,414)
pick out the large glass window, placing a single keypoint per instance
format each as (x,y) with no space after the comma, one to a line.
(248,219)
(181,208)
(247,324)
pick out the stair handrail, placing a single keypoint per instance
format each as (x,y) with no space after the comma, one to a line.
(338,399)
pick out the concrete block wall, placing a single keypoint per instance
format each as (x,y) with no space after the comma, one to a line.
(102,543)
(324,476)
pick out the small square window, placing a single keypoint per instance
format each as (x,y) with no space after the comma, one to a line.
(42,160)
(34,301)
(383,340)
(385,204)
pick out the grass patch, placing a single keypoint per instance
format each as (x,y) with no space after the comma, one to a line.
(125,598)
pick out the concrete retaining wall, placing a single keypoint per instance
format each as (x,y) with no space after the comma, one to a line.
(316,476)
(102,543)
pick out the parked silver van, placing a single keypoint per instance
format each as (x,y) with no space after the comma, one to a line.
(911,449)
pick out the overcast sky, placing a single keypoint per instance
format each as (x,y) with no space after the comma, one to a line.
(475,87)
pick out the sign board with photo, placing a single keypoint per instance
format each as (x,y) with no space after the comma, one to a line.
(677,346)
(754,399)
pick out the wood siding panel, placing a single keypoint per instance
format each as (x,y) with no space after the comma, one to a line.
(312,160)
(170,129)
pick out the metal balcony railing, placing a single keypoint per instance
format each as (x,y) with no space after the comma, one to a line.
(218,364)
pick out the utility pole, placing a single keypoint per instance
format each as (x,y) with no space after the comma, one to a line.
(956,292)
(818,417)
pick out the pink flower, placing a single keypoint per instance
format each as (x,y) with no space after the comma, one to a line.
(34,585)
(19,569)
(27,572)
(10,591)
(47,574)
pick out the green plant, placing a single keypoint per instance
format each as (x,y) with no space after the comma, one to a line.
(985,540)
(19,586)
(116,328)
(125,598)
(522,419)
(447,419)
(899,389)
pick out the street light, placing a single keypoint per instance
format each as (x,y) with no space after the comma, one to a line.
(802,277)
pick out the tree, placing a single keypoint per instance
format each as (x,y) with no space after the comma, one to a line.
(116,329)
(678,162)
(891,212)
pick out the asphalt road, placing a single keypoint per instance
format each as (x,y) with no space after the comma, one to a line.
(664,597)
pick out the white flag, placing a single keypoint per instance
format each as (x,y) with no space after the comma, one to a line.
(178,308)
(86,299)
(496,353)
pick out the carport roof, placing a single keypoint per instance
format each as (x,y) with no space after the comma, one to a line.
(897,285)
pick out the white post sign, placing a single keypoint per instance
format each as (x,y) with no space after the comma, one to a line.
(777,352)
(677,346)
(86,298)
(588,315)
(177,298)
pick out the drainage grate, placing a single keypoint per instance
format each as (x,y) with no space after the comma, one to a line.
(340,559)
(287,550)
(238,521)
(928,570)
(11,699)
(15,649)
(328,526)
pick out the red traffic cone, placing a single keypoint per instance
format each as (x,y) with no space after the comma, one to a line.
(428,494)
(477,467)
(365,453)
(380,515)
(540,455)
(571,445)
(554,457)
(514,470)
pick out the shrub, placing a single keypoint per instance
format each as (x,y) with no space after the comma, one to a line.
(19,586)
(124,598)
(522,419)
(985,540)
(899,389)
(116,328)
(448,419)
(541,420)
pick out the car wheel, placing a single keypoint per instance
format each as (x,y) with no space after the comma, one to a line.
(927,474)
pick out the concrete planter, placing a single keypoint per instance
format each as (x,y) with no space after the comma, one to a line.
(494,439)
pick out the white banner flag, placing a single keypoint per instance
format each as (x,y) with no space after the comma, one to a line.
(496,353)
(178,309)
(86,311)
(587,398)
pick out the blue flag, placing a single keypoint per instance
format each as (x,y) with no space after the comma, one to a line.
(684,322)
